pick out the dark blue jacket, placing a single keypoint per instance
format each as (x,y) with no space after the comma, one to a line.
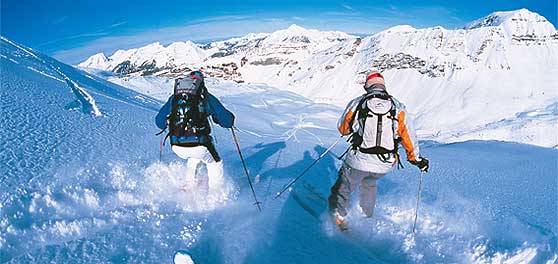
(218,112)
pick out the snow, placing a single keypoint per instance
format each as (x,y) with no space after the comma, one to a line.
(183,257)
(296,35)
(150,85)
(47,75)
(97,61)
(80,188)
(400,28)
(175,54)
(519,22)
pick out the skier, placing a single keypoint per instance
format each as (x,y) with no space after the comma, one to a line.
(186,113)
(377,123)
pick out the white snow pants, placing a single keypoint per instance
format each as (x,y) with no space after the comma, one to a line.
(195,155)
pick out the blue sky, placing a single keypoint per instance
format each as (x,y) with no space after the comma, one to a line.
(72,30)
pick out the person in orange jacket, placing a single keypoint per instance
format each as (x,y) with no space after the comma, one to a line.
(377,123)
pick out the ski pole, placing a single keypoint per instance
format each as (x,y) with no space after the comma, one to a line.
(345,153)
(418,201)
(161,149)
(257,203)
(307,168)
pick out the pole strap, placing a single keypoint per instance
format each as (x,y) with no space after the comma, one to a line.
(161,132)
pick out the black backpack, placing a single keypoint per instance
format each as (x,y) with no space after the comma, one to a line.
(188,120)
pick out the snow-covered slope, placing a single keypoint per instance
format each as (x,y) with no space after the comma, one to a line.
(469,83)
(80,185)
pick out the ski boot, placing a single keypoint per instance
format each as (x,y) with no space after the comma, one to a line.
(339,221)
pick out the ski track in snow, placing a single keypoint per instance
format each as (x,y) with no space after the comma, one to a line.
(86,100)
(76,188)
(43,73)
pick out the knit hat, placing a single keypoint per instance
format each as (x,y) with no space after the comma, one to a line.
(196,75)
(374,78)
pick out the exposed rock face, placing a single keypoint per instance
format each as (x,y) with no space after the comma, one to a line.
(267,61)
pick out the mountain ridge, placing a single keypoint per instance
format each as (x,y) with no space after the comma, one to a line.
(225,58)
(483,75)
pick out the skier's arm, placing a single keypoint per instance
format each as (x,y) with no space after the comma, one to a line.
(161,118)
(406,132)
(219,113)
(346,121)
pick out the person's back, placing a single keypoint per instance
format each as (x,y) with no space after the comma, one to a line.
(186,114)
(377,123)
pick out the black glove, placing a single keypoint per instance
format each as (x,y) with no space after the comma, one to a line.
(421,163)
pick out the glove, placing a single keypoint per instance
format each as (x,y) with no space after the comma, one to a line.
(422,164)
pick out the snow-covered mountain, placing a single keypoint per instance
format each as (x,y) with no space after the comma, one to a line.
(496,75)
(521,23)
(148,59)
(305,60)
(81,182)
(222,58)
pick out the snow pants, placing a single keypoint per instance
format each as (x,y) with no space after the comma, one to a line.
(199,155)
(348,180)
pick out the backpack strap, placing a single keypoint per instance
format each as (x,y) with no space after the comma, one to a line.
(161,132)
(379,130)
(355,138)
(396,140)
(357,109)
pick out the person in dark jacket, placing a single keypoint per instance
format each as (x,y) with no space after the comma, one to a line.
(204,150)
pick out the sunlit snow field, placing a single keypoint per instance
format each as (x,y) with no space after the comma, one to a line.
(84,186)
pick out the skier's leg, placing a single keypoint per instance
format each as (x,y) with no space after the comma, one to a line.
(192,175)
(216,179)
(367,199)
(194,157)
(341,191)
(213,151)
(191,167)
(368,190)
(201,179)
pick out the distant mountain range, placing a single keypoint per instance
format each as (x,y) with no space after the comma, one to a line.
(486,75)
